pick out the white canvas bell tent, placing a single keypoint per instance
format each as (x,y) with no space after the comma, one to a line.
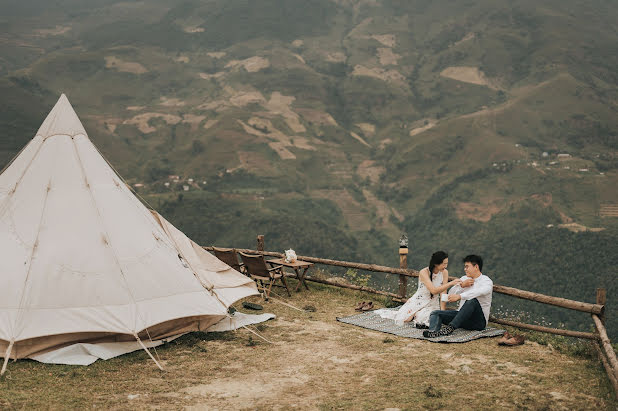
(83,260)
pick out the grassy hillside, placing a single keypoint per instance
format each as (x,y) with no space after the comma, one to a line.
(354,121)
(322,364)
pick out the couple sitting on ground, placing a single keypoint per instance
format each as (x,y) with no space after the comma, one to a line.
(426,309)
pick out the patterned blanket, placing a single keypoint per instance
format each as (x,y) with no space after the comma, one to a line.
(373,321)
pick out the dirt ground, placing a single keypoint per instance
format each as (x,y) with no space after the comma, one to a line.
(208,124)
(387,57)
(216,54)
(369,169)
(281,105)
(315,362)
(385,75)
(317,116)
(336,57)
(56,31)
(142,121)
(368,129)
(430,124)
(359,139)
(478,212)
(468,75)
(251,64)
(386,39)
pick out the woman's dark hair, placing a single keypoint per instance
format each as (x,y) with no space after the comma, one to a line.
(436,259)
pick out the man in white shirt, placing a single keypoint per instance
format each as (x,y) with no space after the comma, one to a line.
(474,296)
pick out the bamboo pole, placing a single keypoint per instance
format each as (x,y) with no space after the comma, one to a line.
(526,295)
(567,333)
(612,378)
(606,344)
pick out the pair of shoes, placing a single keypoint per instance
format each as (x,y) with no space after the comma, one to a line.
(511,340)
(504,338)
(364,306)
(446,330)
(367,307)
(421,326)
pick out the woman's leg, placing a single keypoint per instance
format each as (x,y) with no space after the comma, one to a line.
(410,318)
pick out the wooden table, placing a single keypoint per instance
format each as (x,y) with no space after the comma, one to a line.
(299,267)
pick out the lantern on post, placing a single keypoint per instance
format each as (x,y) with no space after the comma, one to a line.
(403,263)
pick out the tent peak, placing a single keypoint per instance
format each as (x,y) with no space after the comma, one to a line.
(61,120)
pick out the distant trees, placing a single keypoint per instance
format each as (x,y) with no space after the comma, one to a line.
(197,147)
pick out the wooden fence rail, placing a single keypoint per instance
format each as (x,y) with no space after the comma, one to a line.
(602,342)
(526,295)
(558,331)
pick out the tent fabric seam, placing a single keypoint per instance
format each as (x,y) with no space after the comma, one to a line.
(147,214)
(34,249)
(105,231)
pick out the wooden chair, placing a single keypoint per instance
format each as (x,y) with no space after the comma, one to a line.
(228,256)
(259,271)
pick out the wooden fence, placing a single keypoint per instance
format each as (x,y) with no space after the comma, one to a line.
(597,311)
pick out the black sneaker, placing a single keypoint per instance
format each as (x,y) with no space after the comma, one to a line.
(430,334)
(251,306)
(421,326)
(444,331)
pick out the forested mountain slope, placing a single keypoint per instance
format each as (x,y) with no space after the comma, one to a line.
(331,126)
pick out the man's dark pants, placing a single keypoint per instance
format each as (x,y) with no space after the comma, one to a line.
(469,317)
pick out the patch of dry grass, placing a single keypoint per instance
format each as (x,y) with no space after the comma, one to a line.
(113,62)
(387,57)
(316,362)
(467,75)
(386,75)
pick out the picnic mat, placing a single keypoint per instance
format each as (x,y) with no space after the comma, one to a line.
(373,321)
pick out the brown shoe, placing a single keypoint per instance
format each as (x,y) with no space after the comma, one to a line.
(359,306)
(515,340)
(505,337)
(519,339)
(368,306)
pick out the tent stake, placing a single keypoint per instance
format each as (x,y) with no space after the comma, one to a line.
(249,329)
(6,357)
(146,349)
(286,304)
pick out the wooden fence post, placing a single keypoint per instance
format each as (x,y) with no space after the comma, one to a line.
(403,279)
(610,364)
(260,243)
(602,300)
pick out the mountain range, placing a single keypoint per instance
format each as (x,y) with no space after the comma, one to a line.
(333,126)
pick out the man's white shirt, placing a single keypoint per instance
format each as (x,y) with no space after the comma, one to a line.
(481,290)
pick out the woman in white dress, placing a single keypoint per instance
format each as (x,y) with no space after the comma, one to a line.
(432,282)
